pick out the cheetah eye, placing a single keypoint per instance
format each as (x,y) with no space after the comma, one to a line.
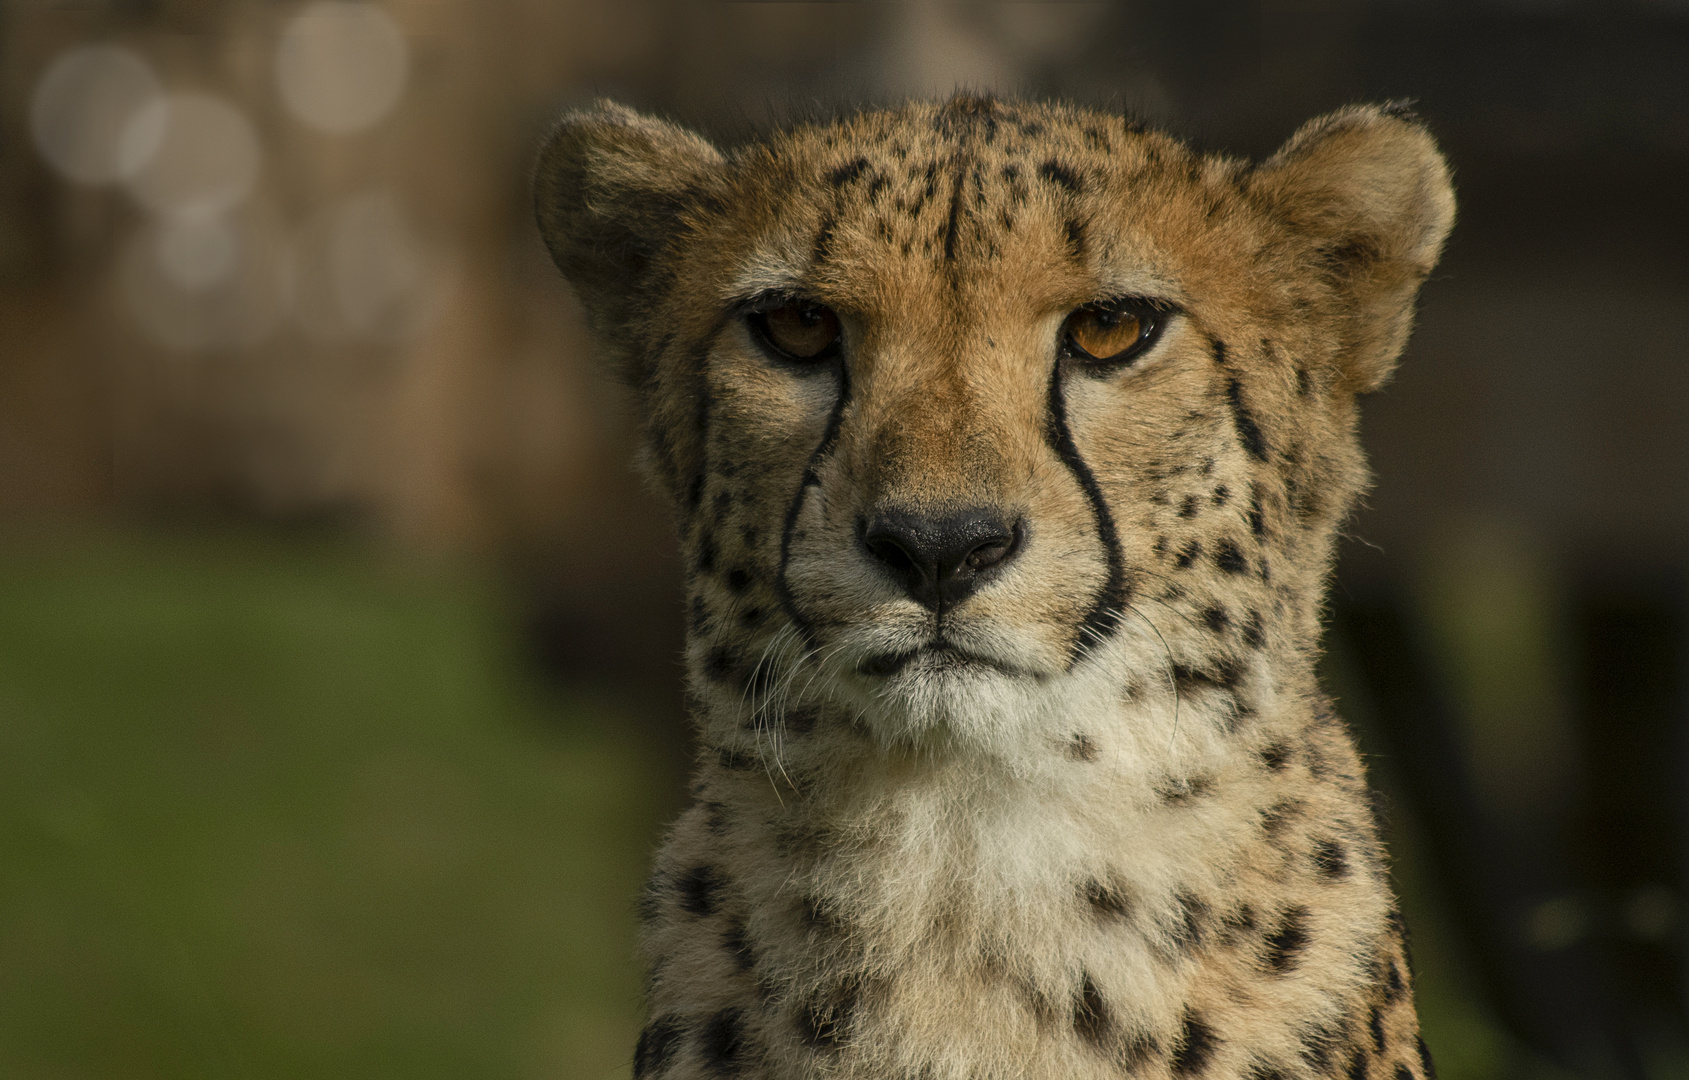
(1113,333)
(797,331)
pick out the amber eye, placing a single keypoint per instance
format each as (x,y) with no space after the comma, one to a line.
(800,331)
(1111,332)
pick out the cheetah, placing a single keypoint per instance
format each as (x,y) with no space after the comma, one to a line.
(1007,444)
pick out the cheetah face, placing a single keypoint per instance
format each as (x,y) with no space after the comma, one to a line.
(973,411)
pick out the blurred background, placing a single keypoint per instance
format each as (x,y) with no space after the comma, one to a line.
(339,690)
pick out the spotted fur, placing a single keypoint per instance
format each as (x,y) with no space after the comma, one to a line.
(1097,819)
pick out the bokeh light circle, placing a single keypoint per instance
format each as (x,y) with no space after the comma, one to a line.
(82,106)
(190,154)
(340,66)
(197,283)
(363,273)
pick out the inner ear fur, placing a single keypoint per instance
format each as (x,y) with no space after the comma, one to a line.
(614,191)
(1370,192)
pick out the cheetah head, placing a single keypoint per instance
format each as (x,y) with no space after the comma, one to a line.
(976,413)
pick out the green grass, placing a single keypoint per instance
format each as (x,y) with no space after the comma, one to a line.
(279,808)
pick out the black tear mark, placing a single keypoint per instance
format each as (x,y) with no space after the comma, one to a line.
(1112,598)
(952,224)
(1331,860)
(847,172)
(1061,176)
(1107,900)
(723,1042)
(699,889)
(1285,944)
(1197,1043)
(655,1047)
(811,478)
(1248,431)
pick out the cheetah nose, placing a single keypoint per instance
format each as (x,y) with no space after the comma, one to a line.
(940,561)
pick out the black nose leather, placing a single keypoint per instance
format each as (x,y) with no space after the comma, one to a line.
(941,560)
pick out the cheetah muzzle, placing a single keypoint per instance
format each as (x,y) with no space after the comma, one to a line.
(1007,445)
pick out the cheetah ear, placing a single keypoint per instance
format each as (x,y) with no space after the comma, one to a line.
(1370,190)
(613,191)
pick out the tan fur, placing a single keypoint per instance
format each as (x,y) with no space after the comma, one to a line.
(1120,832)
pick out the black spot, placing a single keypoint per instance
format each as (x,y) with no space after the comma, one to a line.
(801,720)
(1239,923)
(1179,791)
(1227,673)
(736,760)
(1082,748)
(1257,517)
(1197,1043)
(721,665)
(1075,234)
(738,579)
(1216,619)
(952,224)
(1261,1070)
(751,616)
(1186,932)
(1394,984)
(1275,756)
(1377,1025)
(1285,944)
(1229,557)
(716,817)
(823,240)
(1161,545)
(655,1047)
(698,613)
(1188,555)
(1091,1020)
(1253,635)
(706,553)
(1318,1044)
(699,889)
(1276,817)
(1248,431)
(1304,382)
(1425,1063)
(695,491)
(1357,1065)
(1061,176)
(1331,860)
(823,1022)
(723,1042)
(1188,508)
(1221,494)
(1107,899)
(819,915)
(738,946)
(847,172)
(1403,1072)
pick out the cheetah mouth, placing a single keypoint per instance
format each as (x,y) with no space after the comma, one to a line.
(935,658)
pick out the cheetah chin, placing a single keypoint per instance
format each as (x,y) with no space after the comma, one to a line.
(1007,445)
